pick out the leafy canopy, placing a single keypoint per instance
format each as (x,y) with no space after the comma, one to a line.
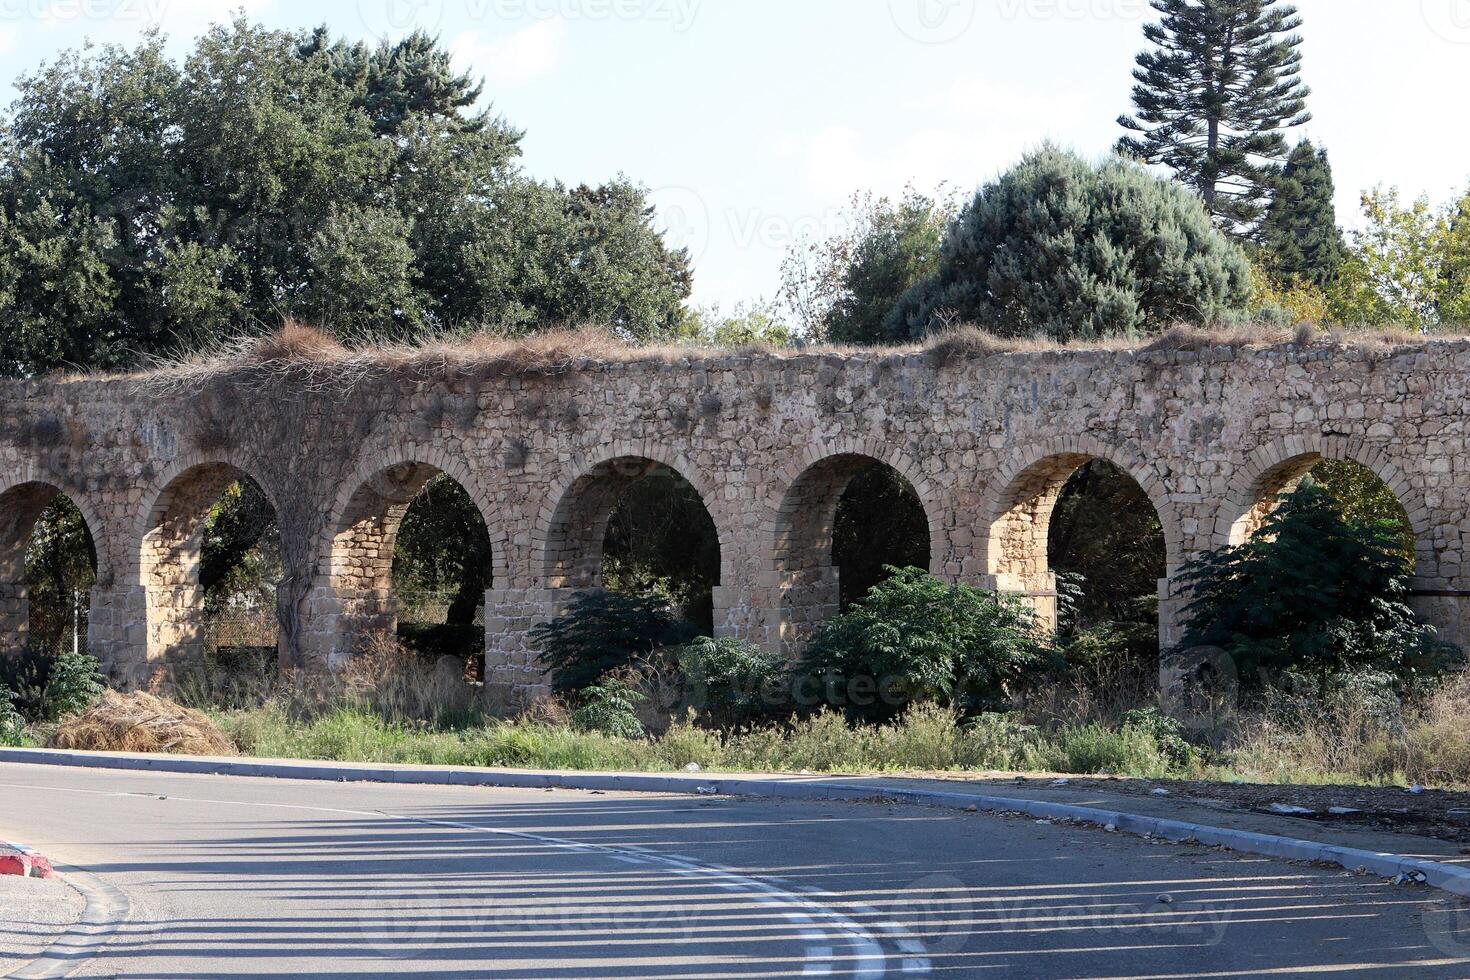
(147,204)
(1313,592)
(914,638)
(1060,248)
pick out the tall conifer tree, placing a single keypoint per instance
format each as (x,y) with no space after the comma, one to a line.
(1299,237)
(1213,96)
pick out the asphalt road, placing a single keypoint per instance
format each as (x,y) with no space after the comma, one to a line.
(217,877)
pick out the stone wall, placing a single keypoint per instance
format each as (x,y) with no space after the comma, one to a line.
(987,442)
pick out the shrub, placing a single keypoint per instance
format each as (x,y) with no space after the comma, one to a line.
(604,632)
(609,707)
(1061,248)
(1314,591)
(47,687)
(915,638)
(1167,733)
(733,683)
(74,684)
(12,725)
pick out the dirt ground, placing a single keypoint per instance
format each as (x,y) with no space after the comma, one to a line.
(1431,813)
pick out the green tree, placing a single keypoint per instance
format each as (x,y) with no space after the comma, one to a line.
(605,632)
(443,546)
(746,325)
(842,289)
(1299,238)
(1454,273)
(1060,248)
(147,204)
(1314,592)
(1212,98)
(913,638)
(661,540)
(1405,265)
(61,567)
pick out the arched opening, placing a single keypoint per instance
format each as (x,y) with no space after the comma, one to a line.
(637,526)
(841,523)
(414,528)
(48,566)
(1359,491)
(210,563)
(1082,539)
(1105,545)
(442,568)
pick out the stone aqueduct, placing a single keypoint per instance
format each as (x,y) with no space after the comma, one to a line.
(987,441)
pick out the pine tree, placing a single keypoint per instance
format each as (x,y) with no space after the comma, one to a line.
(1300,239)
(1213,97)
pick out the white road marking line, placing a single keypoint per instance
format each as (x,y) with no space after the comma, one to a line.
(869,960)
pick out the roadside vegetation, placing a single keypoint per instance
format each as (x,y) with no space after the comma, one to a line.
(394,216)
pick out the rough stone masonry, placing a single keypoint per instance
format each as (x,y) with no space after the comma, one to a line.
(1210,431)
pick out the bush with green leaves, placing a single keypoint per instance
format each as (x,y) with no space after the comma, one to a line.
(733,683)
(12,725)
(914,638)
(604,632)
(610,707)
(1314,592)
(1167,733)
(1061,248)
(49,687)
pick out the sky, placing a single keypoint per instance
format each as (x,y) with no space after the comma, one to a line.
(752,122)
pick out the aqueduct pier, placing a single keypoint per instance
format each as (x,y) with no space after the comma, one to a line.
(1211,432)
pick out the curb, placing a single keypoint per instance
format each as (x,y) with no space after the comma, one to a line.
(1436,874)
(17,859)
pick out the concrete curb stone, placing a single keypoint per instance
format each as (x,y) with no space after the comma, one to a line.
(1436,874)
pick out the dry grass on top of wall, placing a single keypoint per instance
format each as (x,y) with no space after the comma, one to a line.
(315,357)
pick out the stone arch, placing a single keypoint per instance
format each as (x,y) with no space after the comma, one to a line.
(355,599)
(781,504)
(802,527)
(1018,504)
(24,496)
(167,546)
(373,492)
(573,521)
(167,534)
(1276,467)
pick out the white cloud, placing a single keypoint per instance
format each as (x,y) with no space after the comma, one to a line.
(514,59)
(977,128)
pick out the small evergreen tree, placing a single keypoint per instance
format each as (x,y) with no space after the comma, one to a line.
(1300,239)
(1213,97)
(1060,248)
(1312,592)
(914,638)
(604,632)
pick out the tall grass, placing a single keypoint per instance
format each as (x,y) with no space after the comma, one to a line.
(390,706)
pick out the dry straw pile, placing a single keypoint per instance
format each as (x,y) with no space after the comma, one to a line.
(140,722)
